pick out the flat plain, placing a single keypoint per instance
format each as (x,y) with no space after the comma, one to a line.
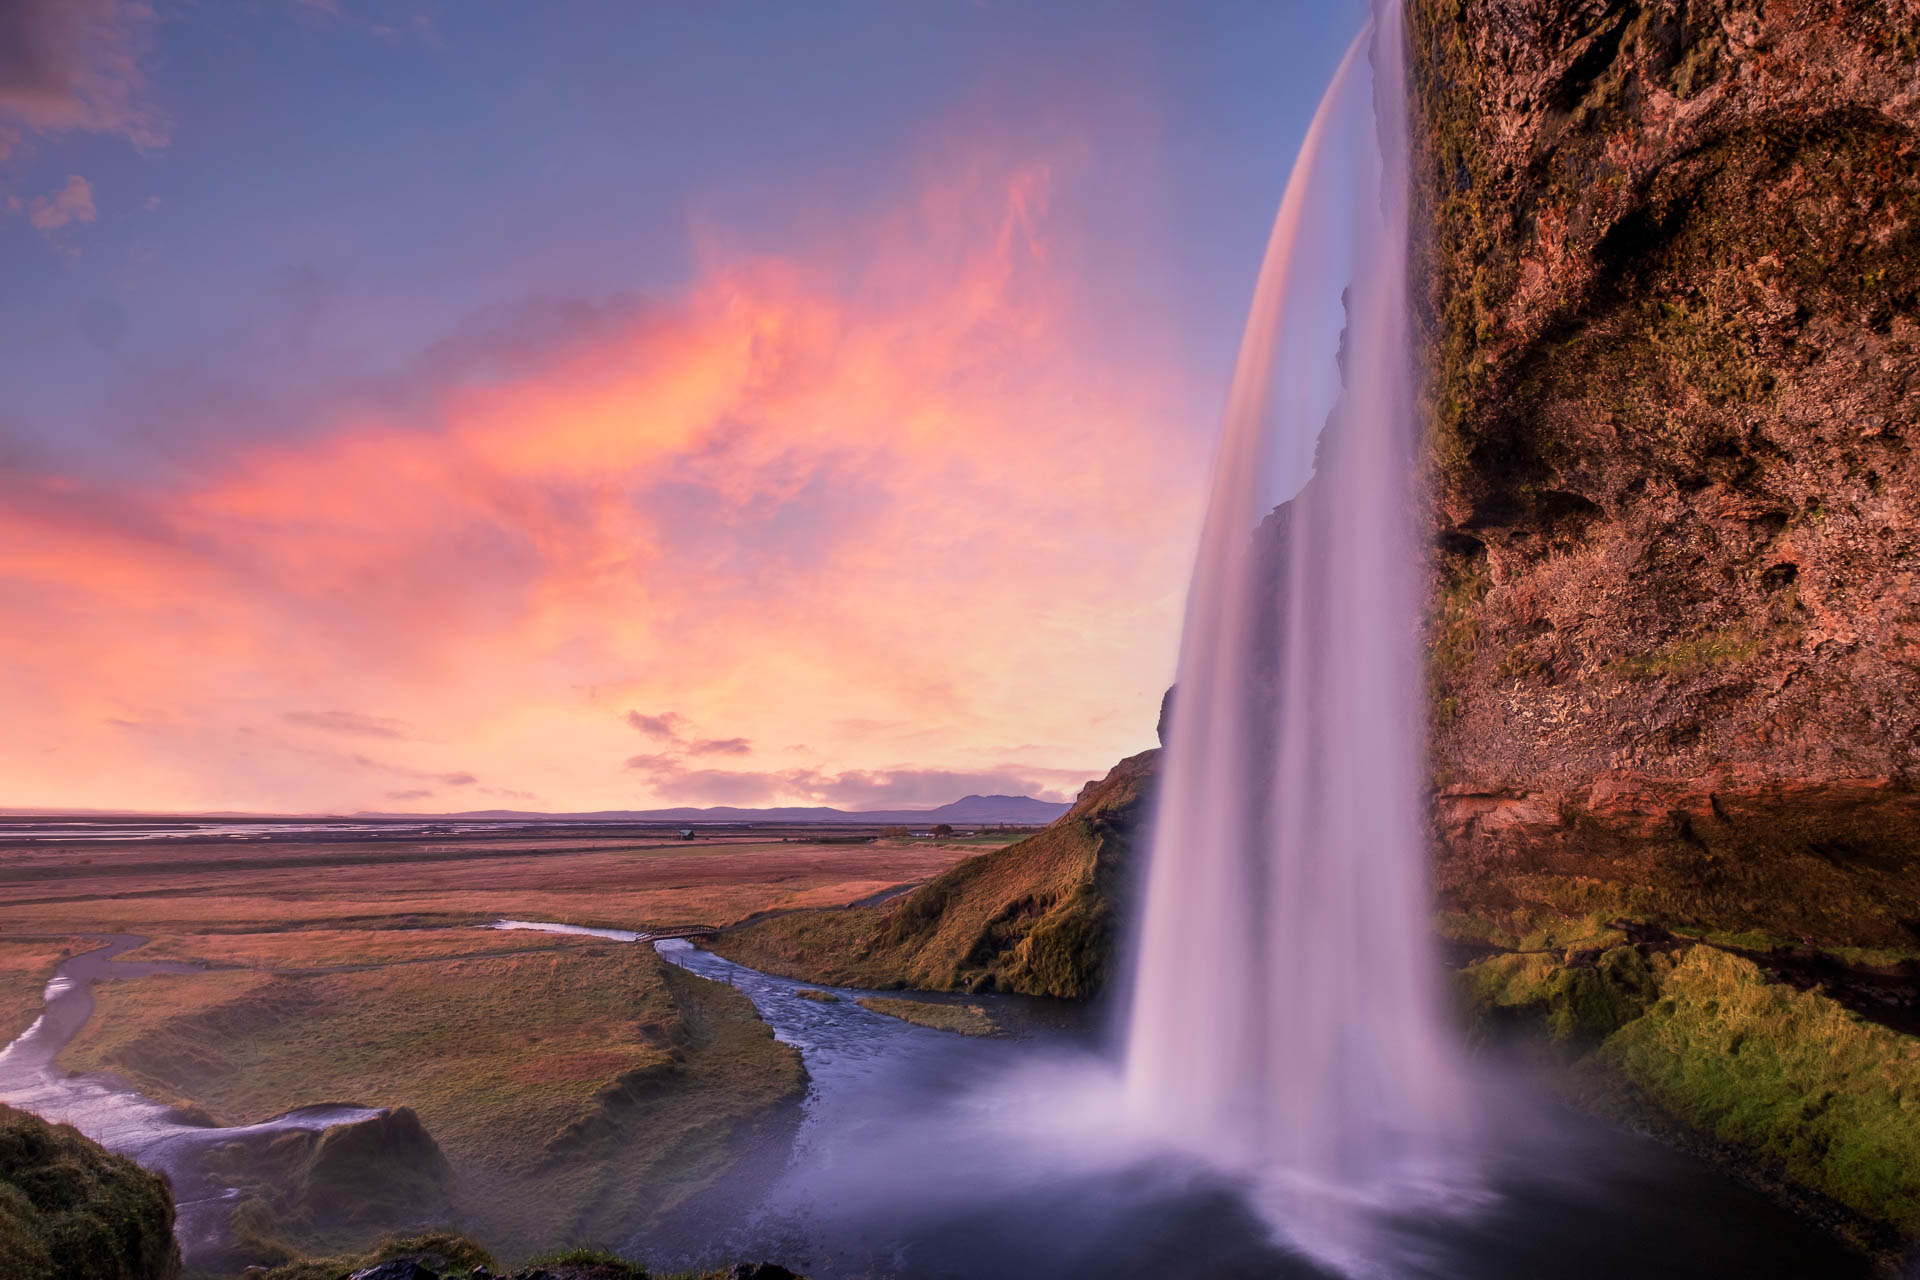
(550,1070)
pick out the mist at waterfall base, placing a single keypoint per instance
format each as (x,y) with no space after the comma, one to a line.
(923,1154)
(1285,1097)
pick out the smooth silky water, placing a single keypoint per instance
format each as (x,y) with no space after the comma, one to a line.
(1287,1099)
(919,1153)
(124,1121)
(1287,861)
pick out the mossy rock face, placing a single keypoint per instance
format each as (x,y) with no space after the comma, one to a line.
(1668,273)
(70,1210)
(1790,1077)
(1578,1004)
(1788,1082)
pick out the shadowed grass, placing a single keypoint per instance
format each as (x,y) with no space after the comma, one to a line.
(1787,1075)
(1800,1087)
(533,1072)
(69,1210)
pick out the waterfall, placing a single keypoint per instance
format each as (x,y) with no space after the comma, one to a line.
(1286,1015)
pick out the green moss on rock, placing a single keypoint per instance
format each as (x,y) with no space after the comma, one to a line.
(1790,1077)
(1580,1003)
(70,1210)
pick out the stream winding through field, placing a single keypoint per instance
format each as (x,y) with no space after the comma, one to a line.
(121,1119)
(922,1153)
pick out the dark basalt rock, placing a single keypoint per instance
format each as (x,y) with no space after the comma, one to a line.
(399,1269)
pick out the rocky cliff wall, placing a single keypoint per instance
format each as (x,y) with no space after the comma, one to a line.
(1671,289)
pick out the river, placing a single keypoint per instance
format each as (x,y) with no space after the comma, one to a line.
(927,1154)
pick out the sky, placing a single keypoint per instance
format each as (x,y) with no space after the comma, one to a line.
(439,405)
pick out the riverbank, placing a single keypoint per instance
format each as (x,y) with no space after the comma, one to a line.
(349,968)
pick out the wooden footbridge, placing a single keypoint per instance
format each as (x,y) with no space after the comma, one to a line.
(678,931)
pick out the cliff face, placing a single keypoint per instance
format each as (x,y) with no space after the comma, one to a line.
(1673,299)
(1036,917)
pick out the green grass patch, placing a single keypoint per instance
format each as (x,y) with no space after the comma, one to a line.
(1577,1004)
(1719,648)
(819,997)
(69,1210)
(1798,1085)
(1788,1076)
(964,1019)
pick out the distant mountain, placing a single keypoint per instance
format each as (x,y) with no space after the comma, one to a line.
(976,810)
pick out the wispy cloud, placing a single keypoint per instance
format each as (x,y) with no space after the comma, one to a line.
(347,722)
(665,725)
(73,202)
(667,728)
(730,502)
(77,65)
(903,787)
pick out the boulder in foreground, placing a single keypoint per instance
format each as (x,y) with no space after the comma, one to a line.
(71,1210)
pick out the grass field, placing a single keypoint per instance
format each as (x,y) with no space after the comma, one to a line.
(579,1087)
(25,966)
(216,887)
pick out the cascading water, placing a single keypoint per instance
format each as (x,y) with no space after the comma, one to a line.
(1286,1016)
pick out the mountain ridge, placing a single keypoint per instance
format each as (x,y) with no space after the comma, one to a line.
(1025,810)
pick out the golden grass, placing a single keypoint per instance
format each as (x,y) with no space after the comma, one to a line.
(579,1087)
(964,1019)
(25,966)
(524,1068)
(213,888)
(1031,917)
(312,950)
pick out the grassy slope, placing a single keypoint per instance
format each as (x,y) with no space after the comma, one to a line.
(524,1068)
(71,1211)
(1790,1084)
(1034,917)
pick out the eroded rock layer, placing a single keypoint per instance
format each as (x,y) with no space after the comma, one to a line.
(1671,289)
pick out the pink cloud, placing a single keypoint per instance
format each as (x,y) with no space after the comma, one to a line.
(71,203)
(75,65)
(885,483)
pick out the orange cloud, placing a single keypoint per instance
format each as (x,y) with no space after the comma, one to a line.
(884,498)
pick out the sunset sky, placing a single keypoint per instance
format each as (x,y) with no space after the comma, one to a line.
(444,406)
